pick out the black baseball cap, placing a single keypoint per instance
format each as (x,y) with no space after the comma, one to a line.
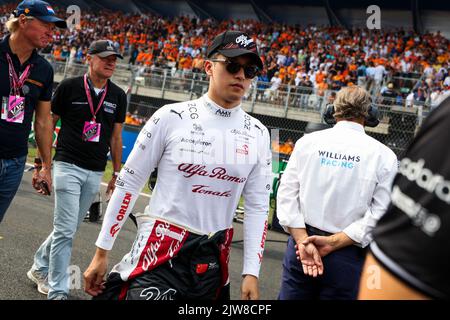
(103,48)
(40,10)
(233,44)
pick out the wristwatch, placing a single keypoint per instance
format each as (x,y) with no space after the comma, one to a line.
(115,173)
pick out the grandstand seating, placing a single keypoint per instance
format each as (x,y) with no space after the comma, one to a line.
(310,49)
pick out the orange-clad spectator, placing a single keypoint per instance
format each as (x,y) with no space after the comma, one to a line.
(148,59)
(197,63)
(171,28)
(167,48)
(171,58)
(345,73)
(352,67)
(174,53)
(133,119)
(287,147)
(283,37)
(321,88)
(186,62)
(395,60)
(283,73)
(57,53)
(197,42)
(443,57)
(181,60)
(142,39)
(338,77)
(292,70)
(320,76)
(410,43)
(128,118)
(140,57)
(324,45)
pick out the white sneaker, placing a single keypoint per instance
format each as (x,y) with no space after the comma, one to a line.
(40,280)
(60,297)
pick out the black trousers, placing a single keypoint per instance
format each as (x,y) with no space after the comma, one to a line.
(340,279)
(197,272)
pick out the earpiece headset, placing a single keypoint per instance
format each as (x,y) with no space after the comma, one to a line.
(370,121)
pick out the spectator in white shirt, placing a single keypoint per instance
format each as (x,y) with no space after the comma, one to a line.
(334,189)
(410,100)
(370,74)
(281,59)
(437,96)
(429,70)
(447,81)
(379,73)
(406,66)
(299,77)
(275,84)
(314,61)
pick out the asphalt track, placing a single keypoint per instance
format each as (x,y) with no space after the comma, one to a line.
(28,222)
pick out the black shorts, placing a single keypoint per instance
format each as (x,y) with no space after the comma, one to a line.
(199,271)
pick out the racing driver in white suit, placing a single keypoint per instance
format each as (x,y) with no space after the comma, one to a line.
(208,153)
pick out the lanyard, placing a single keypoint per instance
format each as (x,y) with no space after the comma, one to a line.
(89,97)
(17,83)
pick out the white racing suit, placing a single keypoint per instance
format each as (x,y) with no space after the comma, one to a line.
(207,157)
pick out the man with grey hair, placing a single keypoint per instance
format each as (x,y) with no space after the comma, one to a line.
(334,189)
(26,81)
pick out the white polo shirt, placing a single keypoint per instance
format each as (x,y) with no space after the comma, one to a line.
(336,180)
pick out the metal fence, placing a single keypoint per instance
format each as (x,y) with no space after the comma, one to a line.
(288,108)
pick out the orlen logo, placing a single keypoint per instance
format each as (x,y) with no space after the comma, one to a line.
(124,207)
(114,229)
(243,150)
(263,242)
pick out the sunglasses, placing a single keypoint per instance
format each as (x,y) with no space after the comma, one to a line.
(233,67)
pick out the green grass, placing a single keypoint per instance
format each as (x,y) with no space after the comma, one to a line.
(31,155)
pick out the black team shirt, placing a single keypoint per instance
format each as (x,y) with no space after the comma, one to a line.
(71,104)
(412,239)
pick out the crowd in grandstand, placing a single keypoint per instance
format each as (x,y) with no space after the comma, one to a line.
(285,147)
(135,119)
(309,59)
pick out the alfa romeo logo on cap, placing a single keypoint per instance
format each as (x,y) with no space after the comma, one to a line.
(243,40)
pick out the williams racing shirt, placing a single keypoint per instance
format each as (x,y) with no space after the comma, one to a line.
(206,156)
(337,180)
